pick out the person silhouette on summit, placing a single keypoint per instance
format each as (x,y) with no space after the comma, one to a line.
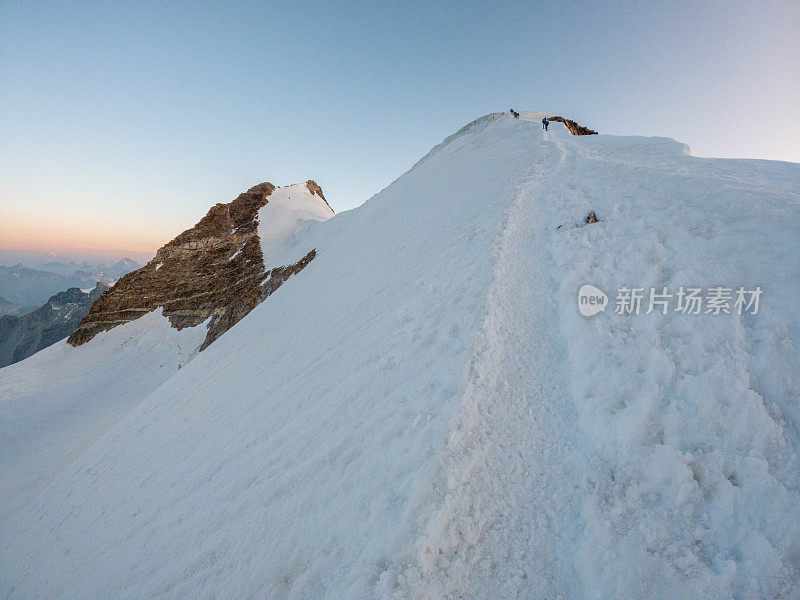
(545,123)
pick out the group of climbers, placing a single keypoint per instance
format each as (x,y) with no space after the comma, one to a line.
(545,122)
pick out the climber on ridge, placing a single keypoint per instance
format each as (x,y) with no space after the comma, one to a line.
(545,123)
(515,113)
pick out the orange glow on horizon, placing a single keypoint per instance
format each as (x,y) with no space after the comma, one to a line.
(50,237)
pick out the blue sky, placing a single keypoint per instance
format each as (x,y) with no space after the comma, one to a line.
(122,123)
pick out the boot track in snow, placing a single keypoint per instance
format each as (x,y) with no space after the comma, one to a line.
(506,525)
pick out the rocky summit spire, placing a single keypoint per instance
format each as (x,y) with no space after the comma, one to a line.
(215,270)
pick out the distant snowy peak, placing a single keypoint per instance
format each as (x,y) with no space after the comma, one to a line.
(125,263)
(122,267)
(221,268)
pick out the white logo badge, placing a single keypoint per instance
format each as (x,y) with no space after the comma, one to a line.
(591,300)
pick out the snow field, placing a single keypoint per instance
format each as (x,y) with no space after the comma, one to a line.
(54,404)
(694,490)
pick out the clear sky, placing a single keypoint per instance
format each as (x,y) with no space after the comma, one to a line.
(121,123)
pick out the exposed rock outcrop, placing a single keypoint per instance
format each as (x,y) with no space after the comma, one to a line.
(573,127)
(215,270)
(21,337)
(315,190)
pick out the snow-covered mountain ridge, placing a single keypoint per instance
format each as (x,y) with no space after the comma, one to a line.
(422,412)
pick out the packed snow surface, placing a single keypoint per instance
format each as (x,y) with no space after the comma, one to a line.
(422,412)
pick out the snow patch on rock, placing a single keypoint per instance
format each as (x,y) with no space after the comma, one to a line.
(284,220)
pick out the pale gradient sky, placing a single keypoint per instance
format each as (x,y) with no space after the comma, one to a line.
(122,123)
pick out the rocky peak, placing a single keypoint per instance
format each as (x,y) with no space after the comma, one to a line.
(71,296)
(213,272)
(315,190)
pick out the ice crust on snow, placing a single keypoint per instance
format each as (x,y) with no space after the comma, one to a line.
(423,412)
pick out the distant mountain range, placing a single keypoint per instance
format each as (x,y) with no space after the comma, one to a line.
(99,270)
(22,336)
(28,288)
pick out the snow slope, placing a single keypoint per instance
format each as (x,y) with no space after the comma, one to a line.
(56,402)
(284,221)
(422,412)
